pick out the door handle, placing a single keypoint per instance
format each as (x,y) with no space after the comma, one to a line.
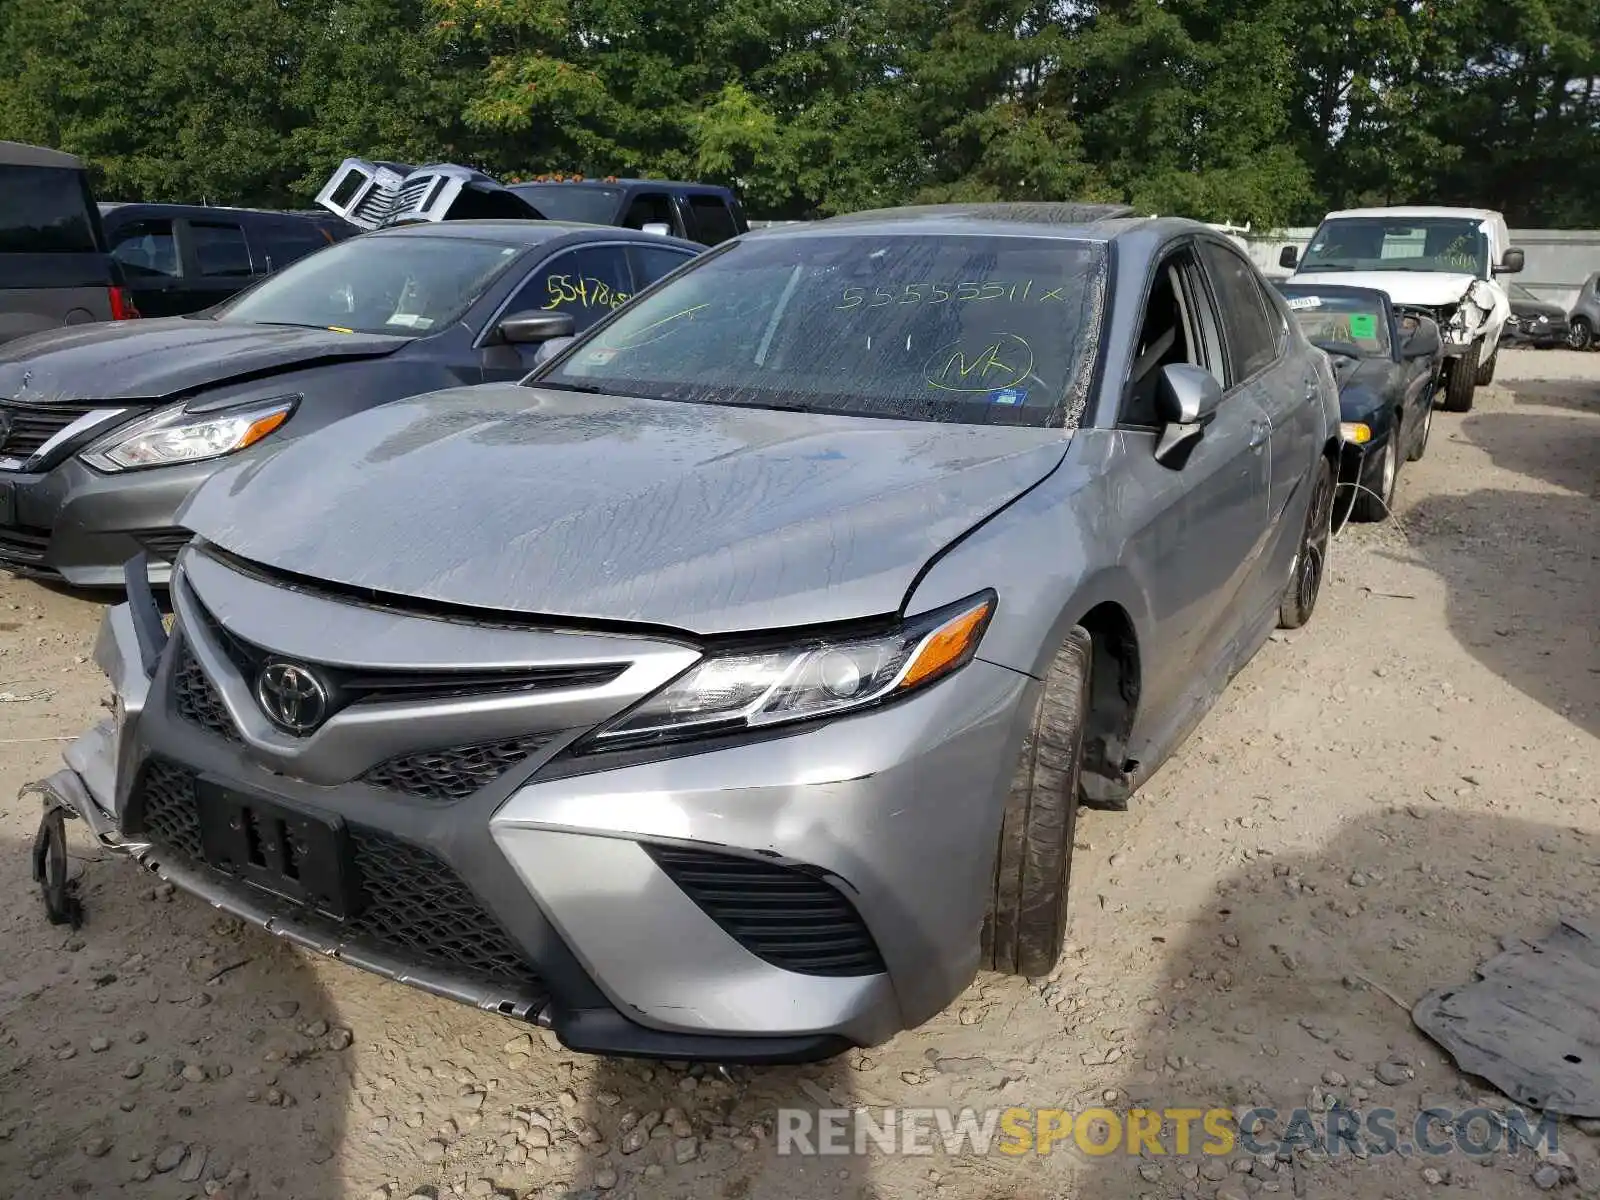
(1259,432)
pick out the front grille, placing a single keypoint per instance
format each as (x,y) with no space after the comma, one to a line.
(163,543)
(23,547)
(197,699)
(32,425)
(375,205)
(412,196)
(410,903)
(455,773)
(791,918)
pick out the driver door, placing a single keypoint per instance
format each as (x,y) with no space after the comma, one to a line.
(1199,544)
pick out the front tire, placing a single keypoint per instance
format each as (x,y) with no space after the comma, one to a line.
(1485,374)
(1461,379)
(1581,334)
(1421,447)
(1311,559)
(1370,507)
(1027,918)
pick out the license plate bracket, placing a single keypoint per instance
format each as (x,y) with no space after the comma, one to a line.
(300,855)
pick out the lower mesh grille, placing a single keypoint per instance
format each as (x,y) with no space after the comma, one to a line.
(453,774)
(197,699)
(411,903)
(417,904)
(791,918)
(165,796)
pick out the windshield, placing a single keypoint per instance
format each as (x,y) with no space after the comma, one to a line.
(1453,244)
(975,330)
(572,202)
(1335,320)
(1518,292)
(404,285)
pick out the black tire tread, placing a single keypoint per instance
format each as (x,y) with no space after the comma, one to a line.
(1293,612)
(1027,917)
(1461,381)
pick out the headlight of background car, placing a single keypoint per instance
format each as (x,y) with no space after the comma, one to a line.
(729,692)
(174,435)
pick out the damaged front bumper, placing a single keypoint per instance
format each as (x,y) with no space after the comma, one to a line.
(587,881)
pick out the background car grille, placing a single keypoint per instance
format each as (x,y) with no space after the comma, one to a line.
(197,699)
(23,547)
(32,425)
(163,543)
(453,774)
(412,902)
(791,918)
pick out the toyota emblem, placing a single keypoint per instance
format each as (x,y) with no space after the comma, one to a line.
(292,697)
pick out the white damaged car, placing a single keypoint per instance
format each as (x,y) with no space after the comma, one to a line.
(1437,262)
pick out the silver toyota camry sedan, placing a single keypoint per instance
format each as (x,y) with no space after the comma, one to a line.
(727,688)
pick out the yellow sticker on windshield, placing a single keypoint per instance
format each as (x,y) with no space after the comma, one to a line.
(1363,325)
(339,329)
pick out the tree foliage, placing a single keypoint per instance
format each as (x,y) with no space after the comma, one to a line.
(1268,111)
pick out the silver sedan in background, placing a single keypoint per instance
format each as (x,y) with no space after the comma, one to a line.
(727,689)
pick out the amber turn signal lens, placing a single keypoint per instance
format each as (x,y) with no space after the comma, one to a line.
(948,646)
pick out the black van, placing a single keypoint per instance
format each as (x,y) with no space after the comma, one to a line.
(181,258)
(54,268)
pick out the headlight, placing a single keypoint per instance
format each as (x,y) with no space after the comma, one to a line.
(174,435)
(1355,431)
(729,692)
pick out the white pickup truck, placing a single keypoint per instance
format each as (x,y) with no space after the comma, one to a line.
(1441,262)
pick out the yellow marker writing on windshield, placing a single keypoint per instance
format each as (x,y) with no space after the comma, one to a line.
(340,329)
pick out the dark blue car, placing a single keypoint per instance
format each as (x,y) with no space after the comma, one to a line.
(1388,364)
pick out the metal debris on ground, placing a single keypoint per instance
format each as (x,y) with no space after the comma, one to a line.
(1530,1023)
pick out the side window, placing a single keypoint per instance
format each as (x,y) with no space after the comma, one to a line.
(651,208)
(1173,331)
(587,282)
(146,250)
(651,263)
(713,222)
(220,250)
(275,246)
(1252,342)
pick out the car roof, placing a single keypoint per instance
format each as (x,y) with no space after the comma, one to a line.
(19,154)
(192,210)
(612,182)
(1417,210)
(1048,219)
(530,233)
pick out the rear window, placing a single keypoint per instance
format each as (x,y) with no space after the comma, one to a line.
(45,210)
(572,202)
(1340,319)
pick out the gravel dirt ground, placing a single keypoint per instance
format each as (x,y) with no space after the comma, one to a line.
(1373,805)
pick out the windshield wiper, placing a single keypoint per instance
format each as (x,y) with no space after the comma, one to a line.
(1342,349)
(573,387)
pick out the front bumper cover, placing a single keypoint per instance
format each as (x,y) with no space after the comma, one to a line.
(626,961)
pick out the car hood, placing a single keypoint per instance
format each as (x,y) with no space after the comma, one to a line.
(1427,288)
(152,359)
(703,518)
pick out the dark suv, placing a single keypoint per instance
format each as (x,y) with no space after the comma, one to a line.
(374,194)
(54,269)
(181,258)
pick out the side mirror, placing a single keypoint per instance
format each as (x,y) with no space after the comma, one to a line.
(1289,257)
(1511,264)
(659,228)
(1187,397)
(528,328)
(1424,341)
